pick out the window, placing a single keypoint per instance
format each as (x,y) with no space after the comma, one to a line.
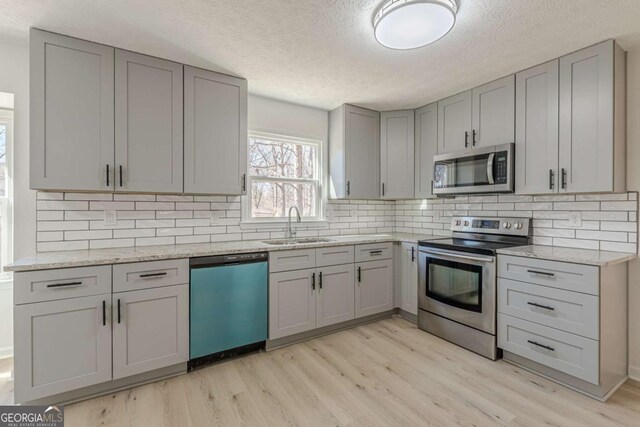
(283,172)
(6,127)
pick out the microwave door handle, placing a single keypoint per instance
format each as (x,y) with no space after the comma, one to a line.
(490,168)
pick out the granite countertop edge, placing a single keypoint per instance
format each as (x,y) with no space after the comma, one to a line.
(571,255)
(94,257)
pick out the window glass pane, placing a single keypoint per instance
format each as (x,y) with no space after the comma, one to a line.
(3,159)
(279,159)
(272,199)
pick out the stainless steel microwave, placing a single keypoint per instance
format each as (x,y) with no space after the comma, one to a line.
(480,170)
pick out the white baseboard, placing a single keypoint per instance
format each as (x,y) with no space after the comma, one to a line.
(634,372)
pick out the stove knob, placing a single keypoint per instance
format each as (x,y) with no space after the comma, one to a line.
(518,226)
(507,225)
(466,223)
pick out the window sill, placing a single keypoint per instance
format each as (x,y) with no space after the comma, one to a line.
(249,224)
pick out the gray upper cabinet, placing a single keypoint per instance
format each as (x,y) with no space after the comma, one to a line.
(454,123)
(493,113)
(148,123)
(215,132)
(354,153)
(592,119)
(72,108)
(537,129)
(397,154)
(426,146)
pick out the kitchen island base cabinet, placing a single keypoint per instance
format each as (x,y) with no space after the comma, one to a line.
(374,287)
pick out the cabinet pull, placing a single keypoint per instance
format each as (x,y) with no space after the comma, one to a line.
(313,281)
(383,189)
(108,183)
(546,347)
(413,254)
(320,278)
(359,274)
(104,313)
(120,172)
(564,178)
(143,276)
(244,182)
(544,273)
(473,137)
(551,179)
(546,307)
(376,252)
(62,285)
(466,139)
(118,310)
(348,188)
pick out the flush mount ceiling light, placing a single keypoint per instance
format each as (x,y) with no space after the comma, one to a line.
(408,24)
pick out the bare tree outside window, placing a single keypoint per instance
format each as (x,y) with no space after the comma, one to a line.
(284,173)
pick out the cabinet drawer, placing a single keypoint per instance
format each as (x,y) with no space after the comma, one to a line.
(49,285)
(153,274)
(561,275)
(374,251)
(335,255)
(572,312)
(574,355)
(292,260)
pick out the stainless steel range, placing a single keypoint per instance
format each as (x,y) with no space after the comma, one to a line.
(457,280)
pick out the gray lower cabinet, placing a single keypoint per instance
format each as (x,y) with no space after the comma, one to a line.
(215,132)
(292,307)
(374,287)
(61,346)
(354,153)
(148,124)
(493,113)
(150,329)
(72,113)
(426,146)
(454,123)
(397,145)
(335,294)
(408,278)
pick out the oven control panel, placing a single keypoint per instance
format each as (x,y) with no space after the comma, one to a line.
(512,226)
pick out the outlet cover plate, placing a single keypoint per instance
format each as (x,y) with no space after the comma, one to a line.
(575,219)
(110,218)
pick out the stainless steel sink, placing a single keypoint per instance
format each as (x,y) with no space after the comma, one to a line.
(297,241)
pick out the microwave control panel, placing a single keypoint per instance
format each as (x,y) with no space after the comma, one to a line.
(501,168)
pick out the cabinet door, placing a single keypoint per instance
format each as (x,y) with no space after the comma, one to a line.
(409,278)
(71,140)
(335,295)
(494,113)
(374,287)
(426,146)
(148,124)
(537,129)
(215,133)
(454,123)
(362,133)
(397,154)
(586,119)
(61,346)
(292,306)
(150,329)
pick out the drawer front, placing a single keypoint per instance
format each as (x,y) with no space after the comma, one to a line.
(63,283)
(153,274)
(335,255)
(297,259)
(568,311)
(561,275)
(374,251)
(574,355)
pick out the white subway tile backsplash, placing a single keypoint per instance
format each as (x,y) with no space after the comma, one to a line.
(88,235)
(619,206)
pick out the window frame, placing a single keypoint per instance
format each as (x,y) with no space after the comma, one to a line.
(6,206)
(318,180)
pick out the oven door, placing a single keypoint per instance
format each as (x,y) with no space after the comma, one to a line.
(458,286)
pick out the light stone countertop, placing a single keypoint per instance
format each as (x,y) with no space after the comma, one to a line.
(576,256)
(64,259)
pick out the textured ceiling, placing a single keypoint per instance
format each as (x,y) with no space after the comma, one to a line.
(323,53)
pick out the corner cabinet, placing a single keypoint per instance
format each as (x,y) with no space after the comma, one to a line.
(72,113)
(397,145)
(426,146)
(354,153)
(215,132)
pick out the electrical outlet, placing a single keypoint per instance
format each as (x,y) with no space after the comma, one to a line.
(214,218)
(575,219)
(110,218)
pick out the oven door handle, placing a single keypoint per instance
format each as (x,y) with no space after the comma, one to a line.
(490,168)
(453,254)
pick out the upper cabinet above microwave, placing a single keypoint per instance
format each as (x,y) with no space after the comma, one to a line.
(104,119)
(480,117)
(570,124)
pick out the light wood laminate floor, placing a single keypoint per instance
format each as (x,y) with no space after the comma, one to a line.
(387,373)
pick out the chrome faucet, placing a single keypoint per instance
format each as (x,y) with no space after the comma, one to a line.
(290,233)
